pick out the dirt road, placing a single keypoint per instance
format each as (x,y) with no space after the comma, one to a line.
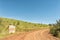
(36,35)
(40,35)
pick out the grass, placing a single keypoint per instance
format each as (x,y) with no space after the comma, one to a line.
(21,26)
(4,34)
(59,34)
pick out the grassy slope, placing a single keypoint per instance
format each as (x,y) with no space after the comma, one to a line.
(20,26)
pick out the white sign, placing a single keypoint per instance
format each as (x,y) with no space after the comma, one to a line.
(11,29)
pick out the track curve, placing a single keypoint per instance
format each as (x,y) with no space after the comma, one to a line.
(35,35)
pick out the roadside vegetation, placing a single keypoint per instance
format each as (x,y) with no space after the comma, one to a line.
(21,26)
(55,29)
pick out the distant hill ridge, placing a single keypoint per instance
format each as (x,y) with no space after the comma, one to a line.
(20,25)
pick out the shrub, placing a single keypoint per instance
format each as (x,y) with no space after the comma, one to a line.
(55,29)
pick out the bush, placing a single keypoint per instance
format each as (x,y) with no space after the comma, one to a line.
(55,29)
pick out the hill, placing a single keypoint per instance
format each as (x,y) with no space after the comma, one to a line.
(20,26)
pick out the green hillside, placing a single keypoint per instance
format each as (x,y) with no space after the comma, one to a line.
(20,26)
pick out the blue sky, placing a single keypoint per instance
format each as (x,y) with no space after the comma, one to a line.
(36,11)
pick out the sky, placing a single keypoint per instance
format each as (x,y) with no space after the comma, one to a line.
(35,11)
